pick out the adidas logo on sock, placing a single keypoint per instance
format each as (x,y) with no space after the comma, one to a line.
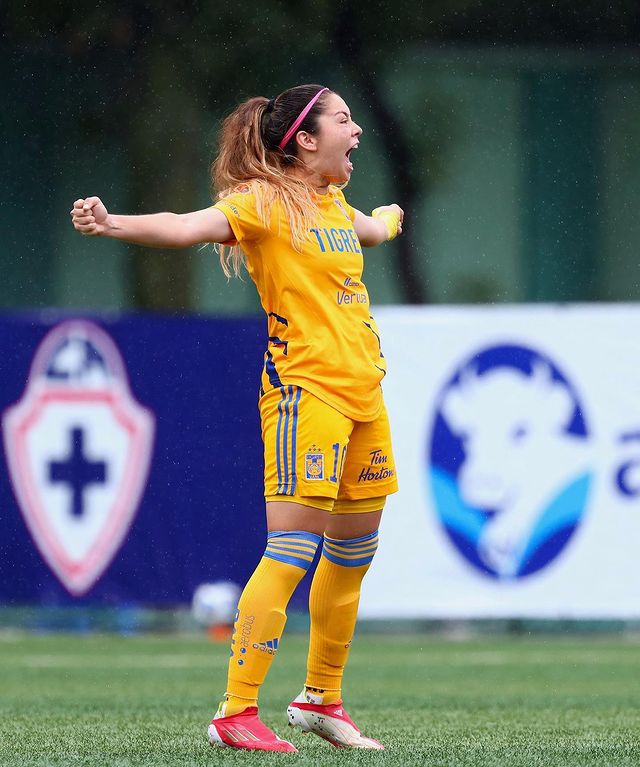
(270,646)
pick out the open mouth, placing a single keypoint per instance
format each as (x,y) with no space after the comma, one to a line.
(348,156)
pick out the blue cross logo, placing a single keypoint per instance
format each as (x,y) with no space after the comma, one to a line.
(77,471)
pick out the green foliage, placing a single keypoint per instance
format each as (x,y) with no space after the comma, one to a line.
(146,701)
(154,79)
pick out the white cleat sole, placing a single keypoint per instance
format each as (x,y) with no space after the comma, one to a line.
(214,738)
(339,734)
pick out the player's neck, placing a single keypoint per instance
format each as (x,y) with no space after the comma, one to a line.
(318,182)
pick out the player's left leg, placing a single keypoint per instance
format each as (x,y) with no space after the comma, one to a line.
(350,542)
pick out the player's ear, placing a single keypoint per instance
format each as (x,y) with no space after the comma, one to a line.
(307,141)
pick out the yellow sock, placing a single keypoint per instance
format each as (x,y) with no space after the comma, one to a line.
(333,605)
(261,615)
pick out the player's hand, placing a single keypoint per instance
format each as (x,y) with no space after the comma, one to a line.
(394,213)
(396,209)
(89,216)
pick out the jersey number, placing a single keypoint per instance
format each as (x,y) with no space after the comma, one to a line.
(338,462)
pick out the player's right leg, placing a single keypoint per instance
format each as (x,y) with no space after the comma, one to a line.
(295,530)
(258,627)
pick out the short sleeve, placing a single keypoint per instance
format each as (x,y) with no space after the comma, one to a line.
(240,211)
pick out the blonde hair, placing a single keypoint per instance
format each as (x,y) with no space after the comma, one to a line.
(249,158)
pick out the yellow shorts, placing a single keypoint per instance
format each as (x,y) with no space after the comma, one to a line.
(315,455)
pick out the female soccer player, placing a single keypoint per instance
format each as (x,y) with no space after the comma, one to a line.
(327,450)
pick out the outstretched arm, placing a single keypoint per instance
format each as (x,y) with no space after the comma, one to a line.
(383,224)
(159,230)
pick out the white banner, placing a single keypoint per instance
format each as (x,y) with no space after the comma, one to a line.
(517,440)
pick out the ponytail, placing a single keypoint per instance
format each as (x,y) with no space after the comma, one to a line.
(249,157)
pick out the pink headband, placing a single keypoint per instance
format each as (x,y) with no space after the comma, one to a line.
(296,123)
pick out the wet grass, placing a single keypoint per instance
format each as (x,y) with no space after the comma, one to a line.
(146,700)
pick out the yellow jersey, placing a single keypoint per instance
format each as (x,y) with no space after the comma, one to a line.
(322,336)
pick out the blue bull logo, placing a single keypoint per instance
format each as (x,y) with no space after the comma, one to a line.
(510,461)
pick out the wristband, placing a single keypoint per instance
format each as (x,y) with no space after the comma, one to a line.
(391,220)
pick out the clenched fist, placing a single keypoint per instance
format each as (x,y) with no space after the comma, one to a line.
(89,216)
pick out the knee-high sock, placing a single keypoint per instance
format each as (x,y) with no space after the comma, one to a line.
(333,605)
(261,614)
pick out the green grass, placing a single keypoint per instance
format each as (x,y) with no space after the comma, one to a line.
(125,701)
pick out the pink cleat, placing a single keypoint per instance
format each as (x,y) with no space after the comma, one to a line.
(330,722)
(245,730)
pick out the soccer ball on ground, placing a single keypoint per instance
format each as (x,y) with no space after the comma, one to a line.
(214,604)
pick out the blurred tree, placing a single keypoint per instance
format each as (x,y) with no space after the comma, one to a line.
(149,71)
(143,74)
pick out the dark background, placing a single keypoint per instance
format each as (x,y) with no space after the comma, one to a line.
(123,100)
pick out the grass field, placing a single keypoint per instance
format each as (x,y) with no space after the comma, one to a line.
(124,701)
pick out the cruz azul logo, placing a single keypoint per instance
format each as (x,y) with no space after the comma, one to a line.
(510,462)
(78,448)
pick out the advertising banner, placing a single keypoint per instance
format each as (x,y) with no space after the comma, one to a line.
(131,466)
(132,462)
(517,439)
